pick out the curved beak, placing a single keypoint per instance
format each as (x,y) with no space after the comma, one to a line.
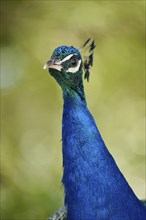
(51,64)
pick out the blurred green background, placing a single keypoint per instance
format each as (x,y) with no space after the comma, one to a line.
(31,106)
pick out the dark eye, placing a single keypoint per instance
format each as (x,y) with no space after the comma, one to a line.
(74,61)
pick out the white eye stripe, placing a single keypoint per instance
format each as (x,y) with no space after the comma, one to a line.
(74,69)
(65,59)
(59,67)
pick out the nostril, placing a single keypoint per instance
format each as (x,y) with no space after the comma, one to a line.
(50,62)
(57,60)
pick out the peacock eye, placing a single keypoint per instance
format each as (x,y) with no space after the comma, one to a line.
(74,61)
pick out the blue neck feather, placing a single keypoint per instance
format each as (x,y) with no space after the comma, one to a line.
(94,186)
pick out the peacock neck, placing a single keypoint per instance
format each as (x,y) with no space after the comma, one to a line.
(91,177)
(74,93)
(73,100)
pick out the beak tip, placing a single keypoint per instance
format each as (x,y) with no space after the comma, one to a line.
(45,66)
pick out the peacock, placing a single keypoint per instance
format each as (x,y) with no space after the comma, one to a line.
(94,187)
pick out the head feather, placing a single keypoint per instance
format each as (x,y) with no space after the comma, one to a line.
(88,60)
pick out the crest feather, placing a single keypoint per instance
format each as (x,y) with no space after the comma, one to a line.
(88,60)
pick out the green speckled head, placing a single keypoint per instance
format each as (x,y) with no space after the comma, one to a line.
(64,51)
(65,66)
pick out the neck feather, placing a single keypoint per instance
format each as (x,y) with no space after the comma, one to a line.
(91,177)
(75,93)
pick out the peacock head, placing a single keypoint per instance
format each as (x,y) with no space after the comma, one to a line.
(66,65)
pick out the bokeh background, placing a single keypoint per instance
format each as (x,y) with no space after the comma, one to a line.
(31,106)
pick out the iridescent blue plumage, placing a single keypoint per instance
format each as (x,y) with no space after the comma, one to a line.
(95,189)
(64,51)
